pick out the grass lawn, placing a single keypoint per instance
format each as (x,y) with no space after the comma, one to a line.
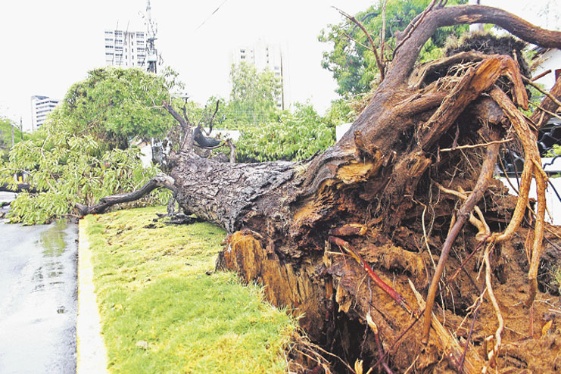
(164,309)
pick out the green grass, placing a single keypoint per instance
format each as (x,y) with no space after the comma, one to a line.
(165,310)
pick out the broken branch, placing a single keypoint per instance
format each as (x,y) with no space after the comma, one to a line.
(158,181)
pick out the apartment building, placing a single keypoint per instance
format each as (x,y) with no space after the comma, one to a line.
(41,106)
(125,48)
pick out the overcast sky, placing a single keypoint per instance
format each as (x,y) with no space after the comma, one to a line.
(49,45)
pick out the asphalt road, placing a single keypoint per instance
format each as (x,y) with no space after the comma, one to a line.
(38,293)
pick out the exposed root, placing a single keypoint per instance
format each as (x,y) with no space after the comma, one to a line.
(532,168)
(480,187)
(472,146)
(492,354)
(453,351)
(305,357)
(382,358)
(483,230)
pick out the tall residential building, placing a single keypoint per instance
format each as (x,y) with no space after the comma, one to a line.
(125,48)
(264,56)
(41,106)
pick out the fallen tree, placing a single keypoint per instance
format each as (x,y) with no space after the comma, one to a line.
(397,246)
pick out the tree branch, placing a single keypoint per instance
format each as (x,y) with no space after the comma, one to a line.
(549,105)
(379,62)
(187,145)
(211,122)
(407,53)
(158,181)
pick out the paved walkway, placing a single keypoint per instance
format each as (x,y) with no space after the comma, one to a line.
(92,356)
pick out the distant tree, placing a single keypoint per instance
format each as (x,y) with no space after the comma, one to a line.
(253,96)
(351,60)
(340,111)
(5,133)
(9,133)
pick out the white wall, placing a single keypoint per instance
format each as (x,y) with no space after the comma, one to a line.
(551,61)
(341,130)
(553,212)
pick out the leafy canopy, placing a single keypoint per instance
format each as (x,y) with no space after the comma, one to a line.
(115,104)
(82,152)
(352,62)
(296,136)
(267,132)
(254,95)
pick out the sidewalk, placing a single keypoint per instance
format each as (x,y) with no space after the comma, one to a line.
(91,354)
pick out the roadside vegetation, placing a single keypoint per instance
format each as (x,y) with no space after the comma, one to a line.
(165,310)
(86,149)
(10,134)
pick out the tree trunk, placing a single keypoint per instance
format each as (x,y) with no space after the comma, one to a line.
(401,212)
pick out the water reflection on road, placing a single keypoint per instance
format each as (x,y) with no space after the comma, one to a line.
(38,298)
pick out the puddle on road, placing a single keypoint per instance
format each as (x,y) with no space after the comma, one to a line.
(53,242)
(39,299)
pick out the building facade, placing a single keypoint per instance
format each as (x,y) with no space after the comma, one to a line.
(41,106)
(549,68)
(125,48)
(265,56)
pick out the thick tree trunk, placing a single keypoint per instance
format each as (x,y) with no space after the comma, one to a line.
(402,212)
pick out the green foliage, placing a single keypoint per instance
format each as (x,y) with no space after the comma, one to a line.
(116,104)
(253,99)
(81,153)
(281,135)
(9,131)
(67,169)
(557,278)
(351,61)
(340,111)
(295,137)
(554,151)
(164,309)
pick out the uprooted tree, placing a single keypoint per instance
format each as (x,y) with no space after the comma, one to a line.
(396,245)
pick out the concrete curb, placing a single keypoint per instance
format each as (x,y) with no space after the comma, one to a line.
(91,353)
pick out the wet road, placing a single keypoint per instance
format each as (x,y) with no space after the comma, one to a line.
(38,298)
